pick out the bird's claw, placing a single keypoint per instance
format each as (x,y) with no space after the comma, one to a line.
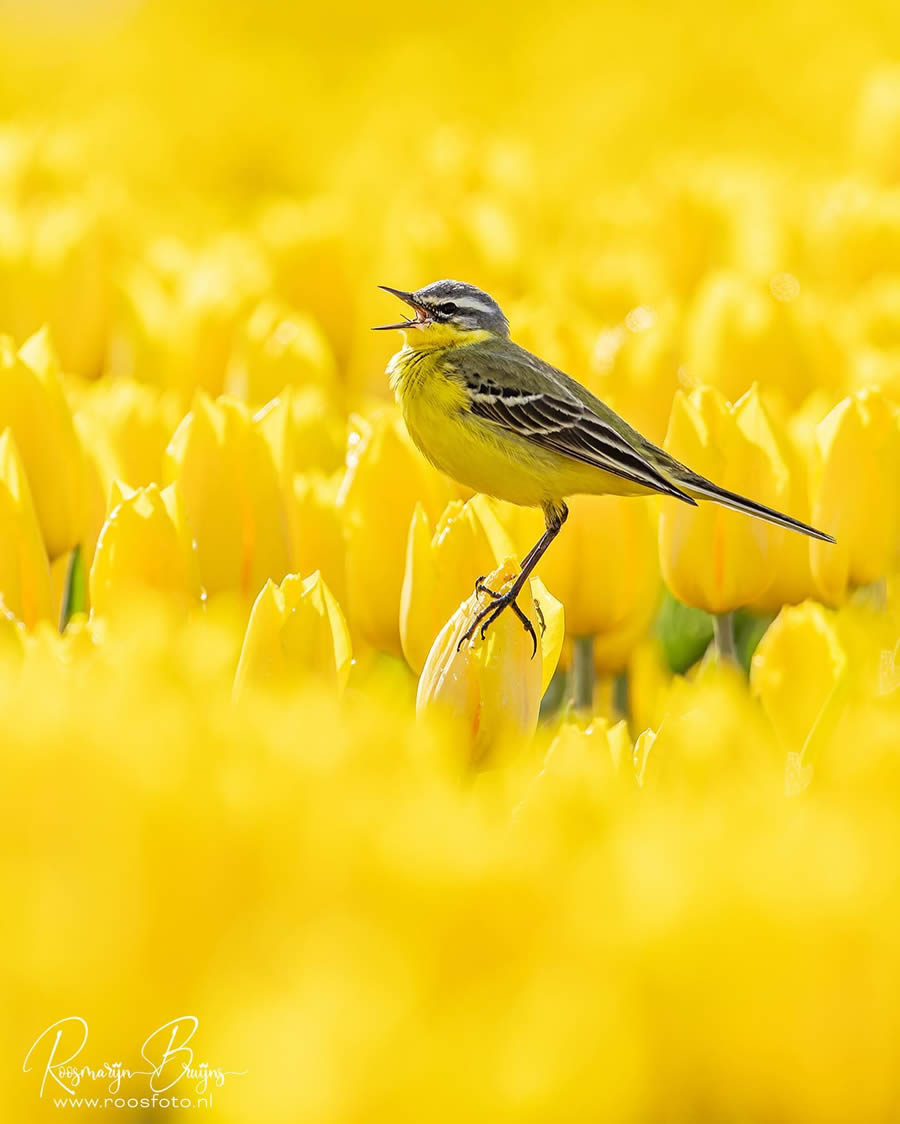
(480,587)
(486,617)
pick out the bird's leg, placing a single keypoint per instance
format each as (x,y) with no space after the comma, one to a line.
(555,515)
(530,559)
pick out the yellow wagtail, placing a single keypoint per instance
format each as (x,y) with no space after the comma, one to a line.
(501,421)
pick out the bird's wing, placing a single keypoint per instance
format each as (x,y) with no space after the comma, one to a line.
(527,397)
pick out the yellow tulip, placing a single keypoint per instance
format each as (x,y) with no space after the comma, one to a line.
(854,234)
(873,324)
(579,774)
(24,569)
(277,348)
(792,576)
(604,569)
(296,631)
(317,532)
(715,215)
(853,481)
(54,270)
(305,431)
(877,129)
(132,423)
(12,643)
(386,477)
(636,366)
(308,246)
(712,558)
(225,471)
(182,311)
(524,525)
(306,436)
(97,478)
(491,689)
(797,671)
(649,682)
(711,733)
(144,544)
(441,568)
(33,406)
(741,330)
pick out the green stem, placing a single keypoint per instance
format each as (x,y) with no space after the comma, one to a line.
(620,694)
(583,672)
(555,695)
(723,637)
(75,595)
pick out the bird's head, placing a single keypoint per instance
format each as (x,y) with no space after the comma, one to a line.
(451,311)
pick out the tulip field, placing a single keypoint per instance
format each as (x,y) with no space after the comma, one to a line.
(277,847)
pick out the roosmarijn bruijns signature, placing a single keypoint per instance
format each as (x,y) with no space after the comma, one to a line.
(169,1057)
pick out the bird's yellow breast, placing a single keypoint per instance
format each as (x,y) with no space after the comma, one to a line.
(435,405)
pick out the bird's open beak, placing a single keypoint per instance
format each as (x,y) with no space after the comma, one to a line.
(421,315)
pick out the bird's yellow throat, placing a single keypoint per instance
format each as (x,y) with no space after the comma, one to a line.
(423,353)
(436,337)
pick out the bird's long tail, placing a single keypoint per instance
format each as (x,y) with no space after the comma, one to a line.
(699,487)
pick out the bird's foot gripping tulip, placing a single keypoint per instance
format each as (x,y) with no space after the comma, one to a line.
(490,687)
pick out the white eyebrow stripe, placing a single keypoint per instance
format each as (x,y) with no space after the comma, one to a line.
(473,302)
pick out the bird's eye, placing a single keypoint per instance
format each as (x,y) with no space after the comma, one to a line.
(448,308)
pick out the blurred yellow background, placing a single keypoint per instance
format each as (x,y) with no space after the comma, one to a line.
(218,799)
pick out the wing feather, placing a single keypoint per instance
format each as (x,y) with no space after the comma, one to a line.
(561,423)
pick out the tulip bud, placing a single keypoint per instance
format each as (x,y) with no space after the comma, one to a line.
(796,669)
(878,125)
(12,643)
(278,348)
(792,577)
(713,558)
(853,481)
(133,422)
(580,772)
(740,331)
(874,321)
(24,570)
(386,477)
(491,689)
(854,235)
(317,533)
(609,593)
(296,631)
(304,430)
(649,682)
(144,544)
(307,244)
(33,406)
(183,310)
(55,269)
(636,366)
(441,568)
(712,734)
(235,508)
(715,215)
(97,477)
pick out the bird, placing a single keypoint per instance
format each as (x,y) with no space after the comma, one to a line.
(501,421)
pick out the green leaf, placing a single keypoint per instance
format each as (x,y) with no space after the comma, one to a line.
(749,629)
(684,633)
(75,597)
